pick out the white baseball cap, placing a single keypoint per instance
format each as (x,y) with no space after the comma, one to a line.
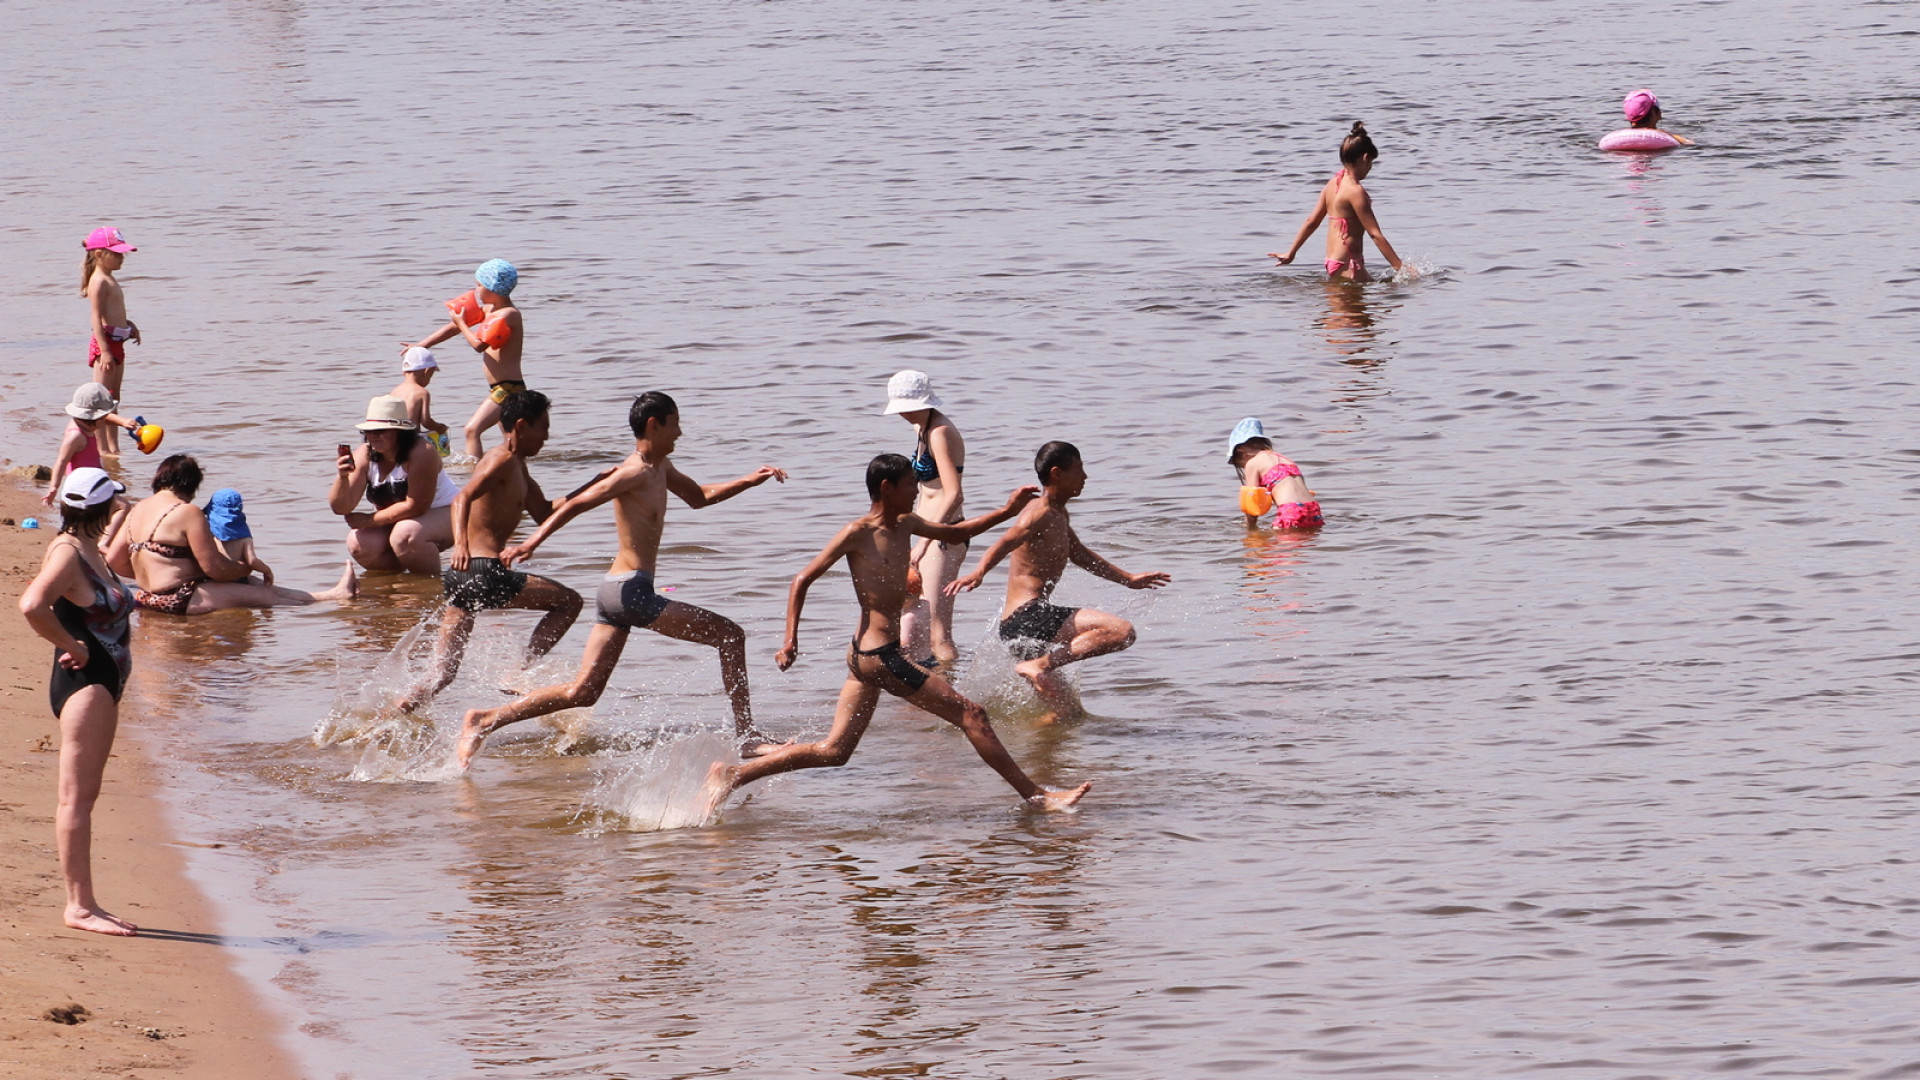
(84,489)
(418,359)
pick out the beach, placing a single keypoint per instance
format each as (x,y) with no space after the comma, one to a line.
(166,1003)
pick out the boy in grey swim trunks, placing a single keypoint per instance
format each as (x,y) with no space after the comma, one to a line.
(1043,637)
(485,513)
(877,548)
(638,488)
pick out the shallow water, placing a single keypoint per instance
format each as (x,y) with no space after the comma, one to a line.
(1579,740)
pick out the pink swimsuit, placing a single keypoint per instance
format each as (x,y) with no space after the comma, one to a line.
(1358,262)
(1298,515)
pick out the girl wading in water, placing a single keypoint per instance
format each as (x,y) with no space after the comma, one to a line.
(1351,210)
(107,307)
(78,604)
(939,457)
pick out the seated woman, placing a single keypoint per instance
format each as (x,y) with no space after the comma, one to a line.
(169,551)
(399,473)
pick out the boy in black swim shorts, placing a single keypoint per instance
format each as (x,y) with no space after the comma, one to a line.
(1041,636)
(877,549)
(638,488)
(485,513)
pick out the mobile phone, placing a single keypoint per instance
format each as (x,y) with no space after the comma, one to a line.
(341,450)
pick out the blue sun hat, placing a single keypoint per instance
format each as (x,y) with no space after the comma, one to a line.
(227,517)
(1248,428)
(497,275)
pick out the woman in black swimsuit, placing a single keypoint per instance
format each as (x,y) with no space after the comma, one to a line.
(187,573)
(78,604)
(939,457)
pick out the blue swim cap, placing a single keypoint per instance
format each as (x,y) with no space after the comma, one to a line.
(1249,428)
(497,275)
(226,516)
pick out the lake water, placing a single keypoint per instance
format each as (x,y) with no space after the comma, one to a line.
(1581,739)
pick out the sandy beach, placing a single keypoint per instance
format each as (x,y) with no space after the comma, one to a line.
(159,1005)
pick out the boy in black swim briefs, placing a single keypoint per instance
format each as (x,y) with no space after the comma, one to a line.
(638,488)
(1042,636)
(485,513)
(877,549)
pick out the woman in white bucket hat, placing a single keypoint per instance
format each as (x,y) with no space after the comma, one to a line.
(399,473)
(939,457)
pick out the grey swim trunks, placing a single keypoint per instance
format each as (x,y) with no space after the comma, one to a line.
(628,600)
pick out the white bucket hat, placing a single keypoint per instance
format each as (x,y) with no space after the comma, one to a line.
(910,391)
(91,401)
(387,413)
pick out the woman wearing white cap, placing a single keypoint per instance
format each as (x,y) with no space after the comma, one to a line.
(78,604)
(399,473)
(939,457)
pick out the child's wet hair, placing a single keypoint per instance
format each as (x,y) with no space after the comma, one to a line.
(528,405)
(1244,452)
(1054,455)
(652,405)
(1357,145)
(884,467)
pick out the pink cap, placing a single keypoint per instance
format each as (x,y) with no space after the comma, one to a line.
(1639,105)
(108,237)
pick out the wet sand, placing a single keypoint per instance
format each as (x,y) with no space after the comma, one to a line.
(166,1003)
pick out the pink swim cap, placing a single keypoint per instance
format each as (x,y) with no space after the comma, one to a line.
(1639,105)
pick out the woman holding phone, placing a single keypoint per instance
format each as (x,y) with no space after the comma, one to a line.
(399,473)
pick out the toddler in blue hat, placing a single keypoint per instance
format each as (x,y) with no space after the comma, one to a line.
(227,519)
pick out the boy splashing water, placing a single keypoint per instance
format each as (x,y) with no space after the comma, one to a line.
(1043,637)
(877,547)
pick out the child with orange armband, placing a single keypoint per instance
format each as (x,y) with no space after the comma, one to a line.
(1269,481)
(490,323)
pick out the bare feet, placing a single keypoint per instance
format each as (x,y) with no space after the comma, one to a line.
(753,744)
(347,589)
(473,731)
(1051,801)
(1052,689)
(719,785)
(99,922)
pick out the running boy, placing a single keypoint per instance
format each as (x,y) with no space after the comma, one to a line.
(877,548)
(485,513)
(490,323)
(1045,638)
(638,489)
(417,366)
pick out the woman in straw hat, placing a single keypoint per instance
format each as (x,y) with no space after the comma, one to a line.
(399,473)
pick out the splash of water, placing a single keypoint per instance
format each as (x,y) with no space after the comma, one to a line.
(659,787)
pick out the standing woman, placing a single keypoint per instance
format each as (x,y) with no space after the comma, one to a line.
(939,457)
(399,473)
(107,306)
(78,604)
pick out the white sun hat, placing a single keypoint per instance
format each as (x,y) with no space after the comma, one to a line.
(910,391)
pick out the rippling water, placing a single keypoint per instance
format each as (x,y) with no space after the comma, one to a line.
(1579,740)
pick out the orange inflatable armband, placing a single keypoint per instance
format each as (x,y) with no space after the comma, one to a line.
(1255,501)
(147,437)
(495,332)
(466,308)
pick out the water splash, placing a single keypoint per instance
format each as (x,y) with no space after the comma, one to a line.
(660,787)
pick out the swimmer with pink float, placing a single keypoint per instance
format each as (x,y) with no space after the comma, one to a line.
(1347,203)
(1642,110)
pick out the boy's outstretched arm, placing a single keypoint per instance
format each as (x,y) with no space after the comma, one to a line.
(1086,559)
(797,593)
(1009,542)
(961,531)
(697,495)
(603,488)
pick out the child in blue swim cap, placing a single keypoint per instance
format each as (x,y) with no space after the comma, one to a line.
(491,325)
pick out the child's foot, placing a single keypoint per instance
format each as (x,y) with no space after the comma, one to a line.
(347,589)
(719,785)
(1050,688)
(1051,801)
(98,921)
(753,744)
(473,731)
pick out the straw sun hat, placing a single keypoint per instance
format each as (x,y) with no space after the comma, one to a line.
(387,413)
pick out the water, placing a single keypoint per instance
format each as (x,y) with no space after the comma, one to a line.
(1580,740)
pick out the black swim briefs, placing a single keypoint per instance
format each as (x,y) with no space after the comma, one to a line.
(1030,631)
(911,675)
(486,583)
(628,600)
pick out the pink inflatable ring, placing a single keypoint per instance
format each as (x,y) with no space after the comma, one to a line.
(1641,139)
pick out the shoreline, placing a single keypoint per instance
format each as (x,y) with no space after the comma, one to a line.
(170,1004)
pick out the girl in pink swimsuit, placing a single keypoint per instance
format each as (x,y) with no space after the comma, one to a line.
(1347,203)
(1268,480)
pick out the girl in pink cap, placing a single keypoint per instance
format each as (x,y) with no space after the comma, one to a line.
(1642,110)
(1351,210)
(107,349)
